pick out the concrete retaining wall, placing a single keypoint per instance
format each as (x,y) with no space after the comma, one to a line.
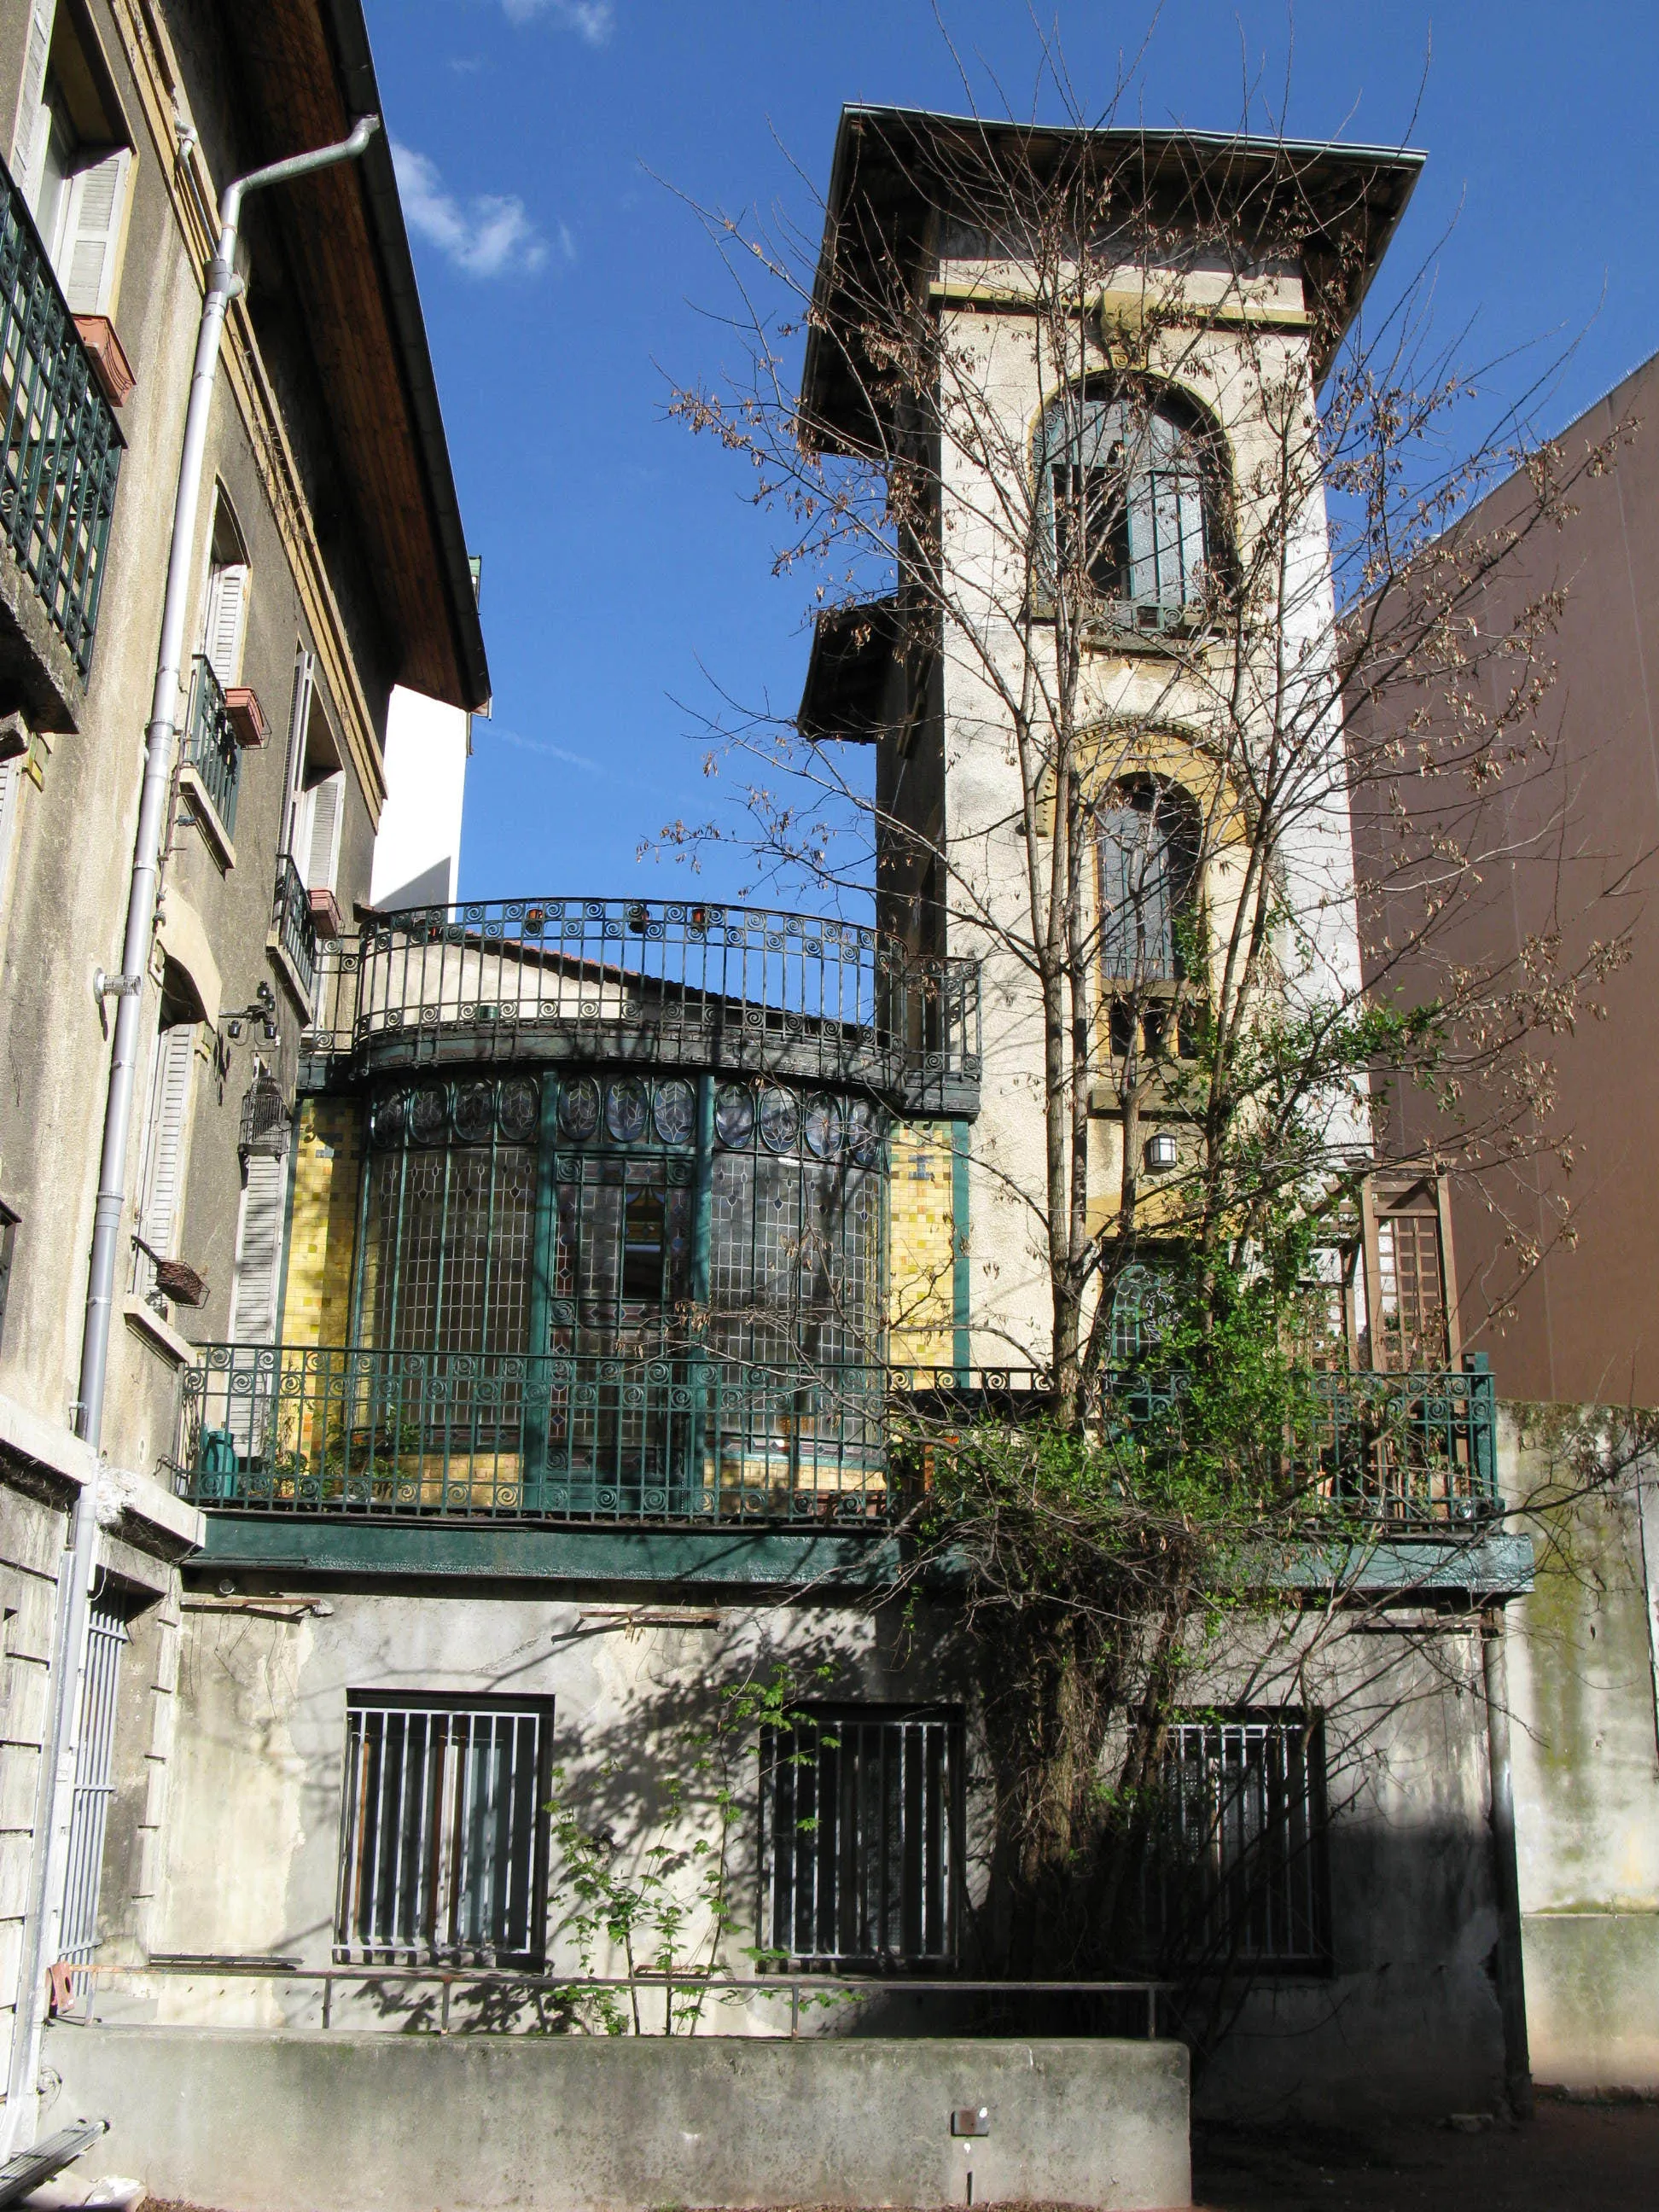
(348,2122)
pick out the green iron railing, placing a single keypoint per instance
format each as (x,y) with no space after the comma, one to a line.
(677,983)
(693,1437)
(683,1438)
(291,921)
(61,454)
(210,746)
(1413,1451)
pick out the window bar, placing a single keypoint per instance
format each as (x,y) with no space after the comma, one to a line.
(371,1842)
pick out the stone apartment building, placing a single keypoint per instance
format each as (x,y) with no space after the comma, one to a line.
(609,1229)
(327,566)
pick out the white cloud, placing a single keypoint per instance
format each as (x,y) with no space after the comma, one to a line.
(592,20)
(491,236)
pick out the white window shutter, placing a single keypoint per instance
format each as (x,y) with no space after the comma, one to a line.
(169,1117)
(227,614)
(322,854)
(28,141)
(97,209)
(259,1252)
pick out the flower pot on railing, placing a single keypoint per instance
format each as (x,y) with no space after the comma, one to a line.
(248,716)
(325,919)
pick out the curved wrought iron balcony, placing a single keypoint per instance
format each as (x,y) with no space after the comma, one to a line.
(678,984)
(691,1436)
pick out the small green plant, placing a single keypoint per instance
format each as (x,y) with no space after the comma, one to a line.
(665,1903)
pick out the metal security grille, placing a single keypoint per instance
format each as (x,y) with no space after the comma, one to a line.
(95,1785)
(1237,1873)
(443,1841)
(861,1825)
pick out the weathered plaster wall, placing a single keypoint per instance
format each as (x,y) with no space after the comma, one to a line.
(1406,2015)
(32,1535)
(1406,2018)
(254,1856)
(345,2123)
(1586,1754)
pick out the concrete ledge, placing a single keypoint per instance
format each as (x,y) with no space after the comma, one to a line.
(50,1444)
(343,2123)
(155,1518)
(142,1318)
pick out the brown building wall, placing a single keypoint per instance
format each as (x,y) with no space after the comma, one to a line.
(1569,843)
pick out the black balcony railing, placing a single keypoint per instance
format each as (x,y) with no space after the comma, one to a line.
(210,746)
(291,924)
(692,1438)
(675,984)
(62,451)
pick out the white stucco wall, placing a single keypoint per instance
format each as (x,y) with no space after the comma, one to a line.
(417,851)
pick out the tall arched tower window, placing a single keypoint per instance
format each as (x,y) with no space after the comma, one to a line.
(1127,509)
(1146,840)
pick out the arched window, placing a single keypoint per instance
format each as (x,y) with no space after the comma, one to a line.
(1126,505)
(1146,838)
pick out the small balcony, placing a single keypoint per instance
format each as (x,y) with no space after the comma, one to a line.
(212,755)
(60,457)
(689,1437)
(675,984)
(293,935)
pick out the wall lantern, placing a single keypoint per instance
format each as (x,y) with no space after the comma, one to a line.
(1160,1153)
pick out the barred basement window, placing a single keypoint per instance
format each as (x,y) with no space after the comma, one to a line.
(861,1837)
(443,1836)
(1237,1873)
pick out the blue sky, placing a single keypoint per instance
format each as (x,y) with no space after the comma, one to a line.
(625,576)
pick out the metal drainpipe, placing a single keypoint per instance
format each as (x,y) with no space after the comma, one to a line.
(69,1655)
(1512,1978)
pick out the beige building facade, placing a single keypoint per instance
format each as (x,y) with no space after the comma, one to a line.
(311,596)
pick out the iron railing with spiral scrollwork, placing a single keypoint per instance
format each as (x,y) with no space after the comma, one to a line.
(689,1436)
(683,1438)
(60,450)
(677,983)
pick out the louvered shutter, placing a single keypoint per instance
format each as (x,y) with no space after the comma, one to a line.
(169,1112)
(227,606)
(98,199)
(259,1252)
(29,143)
(322,852)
